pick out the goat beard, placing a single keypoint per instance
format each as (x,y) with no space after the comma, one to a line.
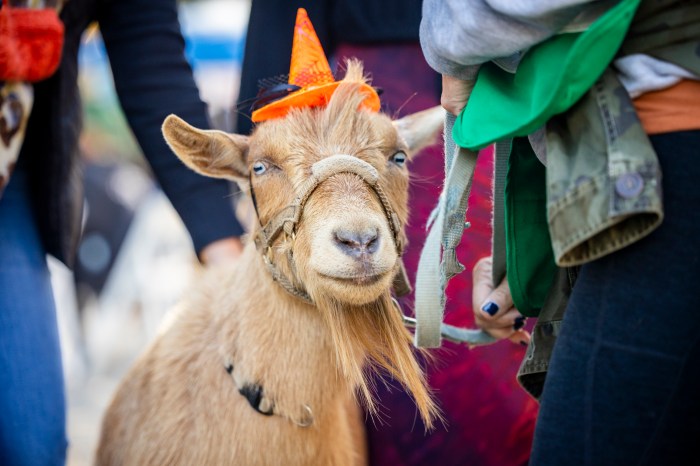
(370,338)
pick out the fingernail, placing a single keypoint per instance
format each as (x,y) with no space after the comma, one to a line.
(523,343)
(519,323)
(490,308)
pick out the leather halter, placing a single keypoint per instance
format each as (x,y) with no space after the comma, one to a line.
(287,219)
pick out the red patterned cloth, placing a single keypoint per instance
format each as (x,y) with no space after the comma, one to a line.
(489,418)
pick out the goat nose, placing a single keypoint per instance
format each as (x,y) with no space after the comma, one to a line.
(357,243)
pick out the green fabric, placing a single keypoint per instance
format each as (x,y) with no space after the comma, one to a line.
(603,176)
(529,257)
(548,81)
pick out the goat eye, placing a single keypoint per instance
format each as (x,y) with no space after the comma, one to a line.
(399,158)
(259,168)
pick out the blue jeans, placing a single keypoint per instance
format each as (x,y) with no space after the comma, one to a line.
(32,400)
(623,386)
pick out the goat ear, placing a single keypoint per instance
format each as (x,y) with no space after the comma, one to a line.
(211,153)
(421,129)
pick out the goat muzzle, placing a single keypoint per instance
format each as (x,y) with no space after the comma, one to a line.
(287,219)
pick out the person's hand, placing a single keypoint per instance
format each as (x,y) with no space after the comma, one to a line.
(225,251)
(455,93)
(493,307)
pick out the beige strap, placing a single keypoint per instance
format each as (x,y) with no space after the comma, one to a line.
(436,269)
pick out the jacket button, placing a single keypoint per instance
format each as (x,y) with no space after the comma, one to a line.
(629,185)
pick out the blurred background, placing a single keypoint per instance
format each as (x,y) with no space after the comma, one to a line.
(135,257)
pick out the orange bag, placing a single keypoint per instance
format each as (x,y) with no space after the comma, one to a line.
(31,43)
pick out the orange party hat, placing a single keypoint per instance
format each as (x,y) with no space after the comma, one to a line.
(309,66)
(309,70)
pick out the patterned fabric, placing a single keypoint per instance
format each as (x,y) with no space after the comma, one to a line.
(605,194)
(668,30)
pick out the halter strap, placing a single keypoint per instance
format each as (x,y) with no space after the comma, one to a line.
(286,220)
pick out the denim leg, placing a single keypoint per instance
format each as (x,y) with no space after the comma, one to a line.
(32,401)
(623,384)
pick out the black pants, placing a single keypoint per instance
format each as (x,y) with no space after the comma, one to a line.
(623,387)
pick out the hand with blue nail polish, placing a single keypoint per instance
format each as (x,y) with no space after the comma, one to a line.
(493,306)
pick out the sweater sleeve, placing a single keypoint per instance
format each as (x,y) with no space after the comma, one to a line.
(459,35)
(153,79)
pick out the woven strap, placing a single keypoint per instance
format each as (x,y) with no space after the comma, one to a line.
(448,224)
(498,245)
(287,219)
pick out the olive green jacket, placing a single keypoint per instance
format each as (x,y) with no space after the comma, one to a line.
(603,189)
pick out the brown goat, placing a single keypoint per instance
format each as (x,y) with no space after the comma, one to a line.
(242,345)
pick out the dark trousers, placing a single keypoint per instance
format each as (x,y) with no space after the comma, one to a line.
(624,382)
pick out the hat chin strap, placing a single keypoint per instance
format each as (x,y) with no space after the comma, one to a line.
(286,220)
